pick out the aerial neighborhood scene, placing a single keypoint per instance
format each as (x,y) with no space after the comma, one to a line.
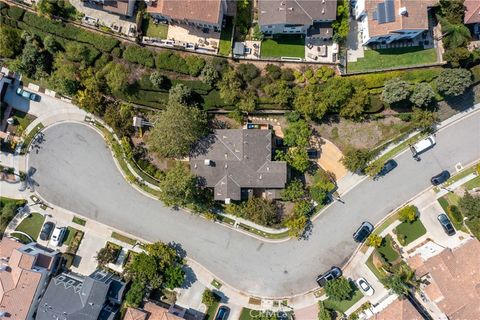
(240,159)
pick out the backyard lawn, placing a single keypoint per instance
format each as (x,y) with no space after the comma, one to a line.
(32,225)
(343,305)
(283,47)
(394,57)
(153,30)
(70,234)
(387,250)
(225,46)
(411,231)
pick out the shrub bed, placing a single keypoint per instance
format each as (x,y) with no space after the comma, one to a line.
(15,13)
(169,60)
(67,31)
(136,54)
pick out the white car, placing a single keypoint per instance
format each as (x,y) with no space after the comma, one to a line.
(422,145)
(365,287)
(57,236)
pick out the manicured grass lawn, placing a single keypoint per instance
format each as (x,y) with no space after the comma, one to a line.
(474,183)
(23,119)
(283,47)
(123,238)
(412,231)
(211,311)
(380,274)
(79,221)
(70,234)
(32,225)
(394,57)
(30,136)
(225,46)
(387,250)
(343,305)
(20,237)
(459,176)
(152,30)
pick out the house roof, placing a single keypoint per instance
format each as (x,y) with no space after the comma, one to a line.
(472,11)
(77,297)
(135,314)
(400,309)
(384,15)
(20,276)
(198,10)
(303,12)
(232,159)
(454,277)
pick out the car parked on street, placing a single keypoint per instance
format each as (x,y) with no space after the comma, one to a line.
(46,230)
(222,313)
(440,178)
(422,146)
(330,275)
(387,167)
(446,224)
(363,232)
(28,95)
(365,287)
(58,235)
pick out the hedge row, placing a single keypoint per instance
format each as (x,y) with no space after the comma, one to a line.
(169,60)
(15,13)
(137,54)
(103,43)
(376,80)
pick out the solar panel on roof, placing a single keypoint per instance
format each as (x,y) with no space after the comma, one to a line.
(389,11)
(381,12)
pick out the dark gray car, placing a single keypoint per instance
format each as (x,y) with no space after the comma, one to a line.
(440,178)
(330,275)
(363,232)
(46,230)
(446,224)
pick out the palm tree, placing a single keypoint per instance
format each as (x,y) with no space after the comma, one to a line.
(402,281)
(454,35)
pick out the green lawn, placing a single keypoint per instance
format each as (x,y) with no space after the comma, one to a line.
(225,46)
(70,234)
(474,183)
(394,57)
(343,305)
(412,231)
(30,136)
(32,225)
(380,274)
(123,238)
(79,221)
(283,47)
(211,311)
(23,119)
(152,30)
(387,250)
(20,237)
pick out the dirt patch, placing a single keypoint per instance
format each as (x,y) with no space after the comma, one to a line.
(347,134)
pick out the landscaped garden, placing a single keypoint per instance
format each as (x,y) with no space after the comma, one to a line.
(407,232)
(225,46)
(8,209)
(152,30)
(287,46)
(394,57)
(32,225)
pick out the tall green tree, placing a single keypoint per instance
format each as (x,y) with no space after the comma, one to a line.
(10,42)
(423,119)
(395,91)
(230,87)
(135,294)
(178,186)
(455,35)
(356,159)
(180,94)
(338,289)
(297,134)
(422,95)
(402,281)
(116,76)
(176,130)
(453,82)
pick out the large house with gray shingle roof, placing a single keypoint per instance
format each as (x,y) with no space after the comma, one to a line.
(237,164)
(294,16)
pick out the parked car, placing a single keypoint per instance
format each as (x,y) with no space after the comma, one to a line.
(365,287)
(222,313)
(28,95)
(440,178)
(363,232)
(330,275)
(46,230)
(446,224)
(387,167)
(58,235)
(422,145)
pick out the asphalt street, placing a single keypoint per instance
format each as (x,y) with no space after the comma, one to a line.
(75,170)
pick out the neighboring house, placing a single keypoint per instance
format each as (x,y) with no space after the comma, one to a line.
(124,8)
(198,13)
(387,21)
(237,164)
(151,311)
(400,309)
(25,271)
(452,280)
(294,16)
(472,16)
(71,297)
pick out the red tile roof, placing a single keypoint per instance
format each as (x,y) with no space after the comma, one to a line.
(398,310)
(193,10)
(472,12)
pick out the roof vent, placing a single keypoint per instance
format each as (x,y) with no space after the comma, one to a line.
(3,268)
(403,11)
(207,162)
(323,11)
(281,9)
(260,178)
(291,9)
(323,1)
(227,200)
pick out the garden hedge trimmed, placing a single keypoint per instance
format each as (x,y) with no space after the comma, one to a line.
(136,54)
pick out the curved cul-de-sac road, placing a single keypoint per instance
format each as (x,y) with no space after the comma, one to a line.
(75,170)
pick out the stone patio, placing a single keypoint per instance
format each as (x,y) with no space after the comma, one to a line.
(192,35)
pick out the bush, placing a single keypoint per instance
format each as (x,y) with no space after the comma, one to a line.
(116,52)
(294,191)
(169,60)
(374,240)
(79,52)
(395,90)
(135,294)
(321,186)
(338,289)
(209,298)
(15,13)
(195,65)
(136,54)
(247,71)
(455,214)
(356,159)
(101,42)
(453,82)
(408,214)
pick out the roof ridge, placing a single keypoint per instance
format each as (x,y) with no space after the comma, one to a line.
(228,148)
(296,1)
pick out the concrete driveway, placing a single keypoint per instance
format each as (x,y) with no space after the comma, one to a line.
(75,170)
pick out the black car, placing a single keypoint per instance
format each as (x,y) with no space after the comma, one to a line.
(46,230)
(330,275)
(222,313)
(446,224)
(387,167)
(440,178)
(363,232)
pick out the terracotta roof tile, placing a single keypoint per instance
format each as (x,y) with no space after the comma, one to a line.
(398,310)
(196,10)
(135,314)
(472,12)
